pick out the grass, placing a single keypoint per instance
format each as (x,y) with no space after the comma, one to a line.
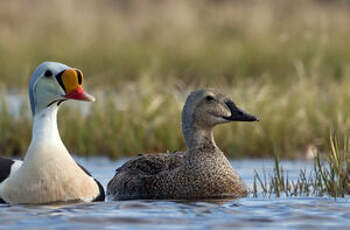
(330,176)
(287,62)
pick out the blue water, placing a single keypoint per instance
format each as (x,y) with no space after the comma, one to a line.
(247,213)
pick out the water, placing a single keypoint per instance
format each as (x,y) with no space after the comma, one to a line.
(247,213)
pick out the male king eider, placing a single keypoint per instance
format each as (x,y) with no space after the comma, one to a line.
(49,173)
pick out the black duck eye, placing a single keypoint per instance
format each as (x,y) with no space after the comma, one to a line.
(209,98)
(48,73)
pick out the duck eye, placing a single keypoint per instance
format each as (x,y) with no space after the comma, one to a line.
(48,73)
(209,98)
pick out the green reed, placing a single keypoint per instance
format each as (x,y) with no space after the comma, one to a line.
(330,176)
(146,117)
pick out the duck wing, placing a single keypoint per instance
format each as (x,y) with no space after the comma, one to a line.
(8,167)
(151,164)
(132,178)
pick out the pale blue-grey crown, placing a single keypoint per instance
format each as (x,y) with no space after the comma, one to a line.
(54,67)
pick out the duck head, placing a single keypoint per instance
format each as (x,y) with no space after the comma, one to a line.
(53,83)
(206,108)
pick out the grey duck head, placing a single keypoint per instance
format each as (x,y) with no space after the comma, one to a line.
(206,108)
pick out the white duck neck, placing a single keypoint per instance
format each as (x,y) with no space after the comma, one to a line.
(45,135)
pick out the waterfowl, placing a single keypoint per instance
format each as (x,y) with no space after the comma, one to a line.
(48,173)
(202,172)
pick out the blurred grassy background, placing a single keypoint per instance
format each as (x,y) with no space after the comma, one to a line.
(285,61)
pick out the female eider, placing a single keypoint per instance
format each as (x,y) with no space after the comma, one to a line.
(49,173)
(202,172)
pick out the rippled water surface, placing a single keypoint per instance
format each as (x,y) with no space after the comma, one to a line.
(247,213)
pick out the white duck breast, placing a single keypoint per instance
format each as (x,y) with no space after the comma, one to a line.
(49,173)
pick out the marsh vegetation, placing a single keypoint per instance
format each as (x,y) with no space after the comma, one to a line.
(284,62)
(329,176)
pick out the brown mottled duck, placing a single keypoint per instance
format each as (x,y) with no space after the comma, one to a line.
(202,172)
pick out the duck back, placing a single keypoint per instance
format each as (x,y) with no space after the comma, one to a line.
(194,175)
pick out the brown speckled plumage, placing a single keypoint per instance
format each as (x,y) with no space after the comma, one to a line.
(201,172)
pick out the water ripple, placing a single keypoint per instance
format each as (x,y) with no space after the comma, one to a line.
(247,213)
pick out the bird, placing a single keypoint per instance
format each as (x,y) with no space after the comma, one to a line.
(201,172)
(48,173)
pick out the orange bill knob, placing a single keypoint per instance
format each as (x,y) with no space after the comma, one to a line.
(71,80)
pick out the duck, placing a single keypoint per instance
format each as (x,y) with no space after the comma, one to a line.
(48,173)
(201,172)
